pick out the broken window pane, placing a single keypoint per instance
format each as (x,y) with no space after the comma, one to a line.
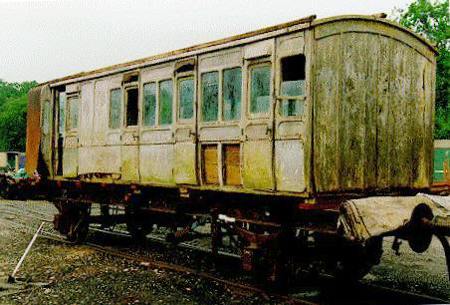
(62,114)
(292,84)
(186,98)
(232,91)
(115,112)
(260,89)
(165,102)
(149,117)
(72,116)
(210,96)
(132,106)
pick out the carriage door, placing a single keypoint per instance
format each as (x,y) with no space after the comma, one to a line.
(290,112)
(258,130)
(185,130)
(70,151)
(60,130)
(130,132)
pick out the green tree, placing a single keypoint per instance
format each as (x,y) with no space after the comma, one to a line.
(431,19)
(13,113)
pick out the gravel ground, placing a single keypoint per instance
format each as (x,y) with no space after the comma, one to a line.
(80,275)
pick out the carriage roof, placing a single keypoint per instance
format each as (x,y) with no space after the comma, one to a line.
(296,25)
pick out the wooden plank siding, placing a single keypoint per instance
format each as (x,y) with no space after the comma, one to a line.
(372,114)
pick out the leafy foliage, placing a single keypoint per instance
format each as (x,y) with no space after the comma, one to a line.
(432,20)
(13,114)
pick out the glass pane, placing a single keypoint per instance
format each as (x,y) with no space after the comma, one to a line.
(186,98)
(72,122)
(260,90)
(210,96)
(132,107)
(165,102)
(232,91)
(62,114)
(293,88)
(115,112)
(149,104)
(291,107)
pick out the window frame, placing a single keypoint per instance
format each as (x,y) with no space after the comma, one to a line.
(69,98)
(280,98)
(110,109)
(142,122)
(250,67)
(221,99)
(219,94)
(180,77)
(158,121)
(125,90)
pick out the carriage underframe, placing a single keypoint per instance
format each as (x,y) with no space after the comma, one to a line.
(276,239)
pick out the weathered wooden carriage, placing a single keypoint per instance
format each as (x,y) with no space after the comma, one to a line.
(263,134)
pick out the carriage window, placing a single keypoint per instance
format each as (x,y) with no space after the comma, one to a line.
(210,96)
(186,98)
(72,116)
(232,89)
(132,106)
(62,114)
(165,102)
(149,104)
(115,110)
(292,84)
(260,89)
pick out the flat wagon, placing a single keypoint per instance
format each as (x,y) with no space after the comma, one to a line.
(264,135)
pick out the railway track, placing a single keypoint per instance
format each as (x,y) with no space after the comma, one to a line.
(20,216)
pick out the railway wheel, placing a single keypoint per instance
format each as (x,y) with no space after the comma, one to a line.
(78,226)
(136,223)
(356,260)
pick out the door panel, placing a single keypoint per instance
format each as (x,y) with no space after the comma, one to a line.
(185,148)
(258,131)
(157,140)
(290,114)
(221,117)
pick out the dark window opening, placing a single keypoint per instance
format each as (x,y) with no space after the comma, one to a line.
(132,107)
(130,78)
(185,68)
(293,85)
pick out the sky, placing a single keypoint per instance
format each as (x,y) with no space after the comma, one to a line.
(43,40)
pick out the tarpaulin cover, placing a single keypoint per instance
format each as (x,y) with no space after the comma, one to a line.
(373,216)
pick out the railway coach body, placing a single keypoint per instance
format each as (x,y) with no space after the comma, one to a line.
(292,123)
(306,108)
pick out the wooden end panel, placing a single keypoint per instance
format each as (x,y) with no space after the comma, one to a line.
(232,164)
(210,164)
(33,130)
